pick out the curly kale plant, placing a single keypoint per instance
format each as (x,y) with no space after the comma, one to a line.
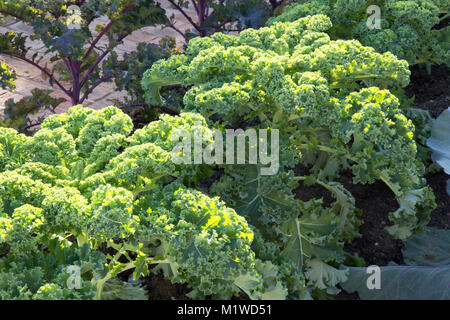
(76,42)
(84,174)
(331,103)
(63,271)
(329,98)
(409,29)
(46,275)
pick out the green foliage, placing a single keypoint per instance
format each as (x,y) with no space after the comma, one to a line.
(266,201)
(75,43)
(128,71)
(202,242)
(52,21)
(44,275)
(408,28)
(331,102)
(81,49)
(321,93)
(307,232)
(85,175)
(127,74)
(115,289)
(423,122)
(123,202)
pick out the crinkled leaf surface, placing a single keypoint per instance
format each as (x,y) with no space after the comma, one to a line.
(273,288)
(266,201)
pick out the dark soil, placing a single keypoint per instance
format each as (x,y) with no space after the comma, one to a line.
(160,288)
(431,91)
(375,245)
(440,217)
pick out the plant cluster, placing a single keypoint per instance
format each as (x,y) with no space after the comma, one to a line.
(409,29)
(76,45)
(91,192)
(331,102)
(80,49)
(86,191)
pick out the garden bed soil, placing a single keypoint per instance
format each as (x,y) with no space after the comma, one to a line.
(160,288)
(376,246)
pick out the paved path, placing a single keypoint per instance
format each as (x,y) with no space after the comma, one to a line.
(30,77)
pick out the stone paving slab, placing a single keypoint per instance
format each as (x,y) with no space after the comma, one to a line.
(21,27)
(5,95)
(26,85)
(23,68)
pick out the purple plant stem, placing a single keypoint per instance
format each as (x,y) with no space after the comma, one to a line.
(185,15)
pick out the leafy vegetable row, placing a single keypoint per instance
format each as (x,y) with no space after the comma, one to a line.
(409,29)
(87,190)
(83,178)
(331,102)
(329,99)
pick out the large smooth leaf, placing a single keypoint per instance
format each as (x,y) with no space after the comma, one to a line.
(429,249)
(402,283)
